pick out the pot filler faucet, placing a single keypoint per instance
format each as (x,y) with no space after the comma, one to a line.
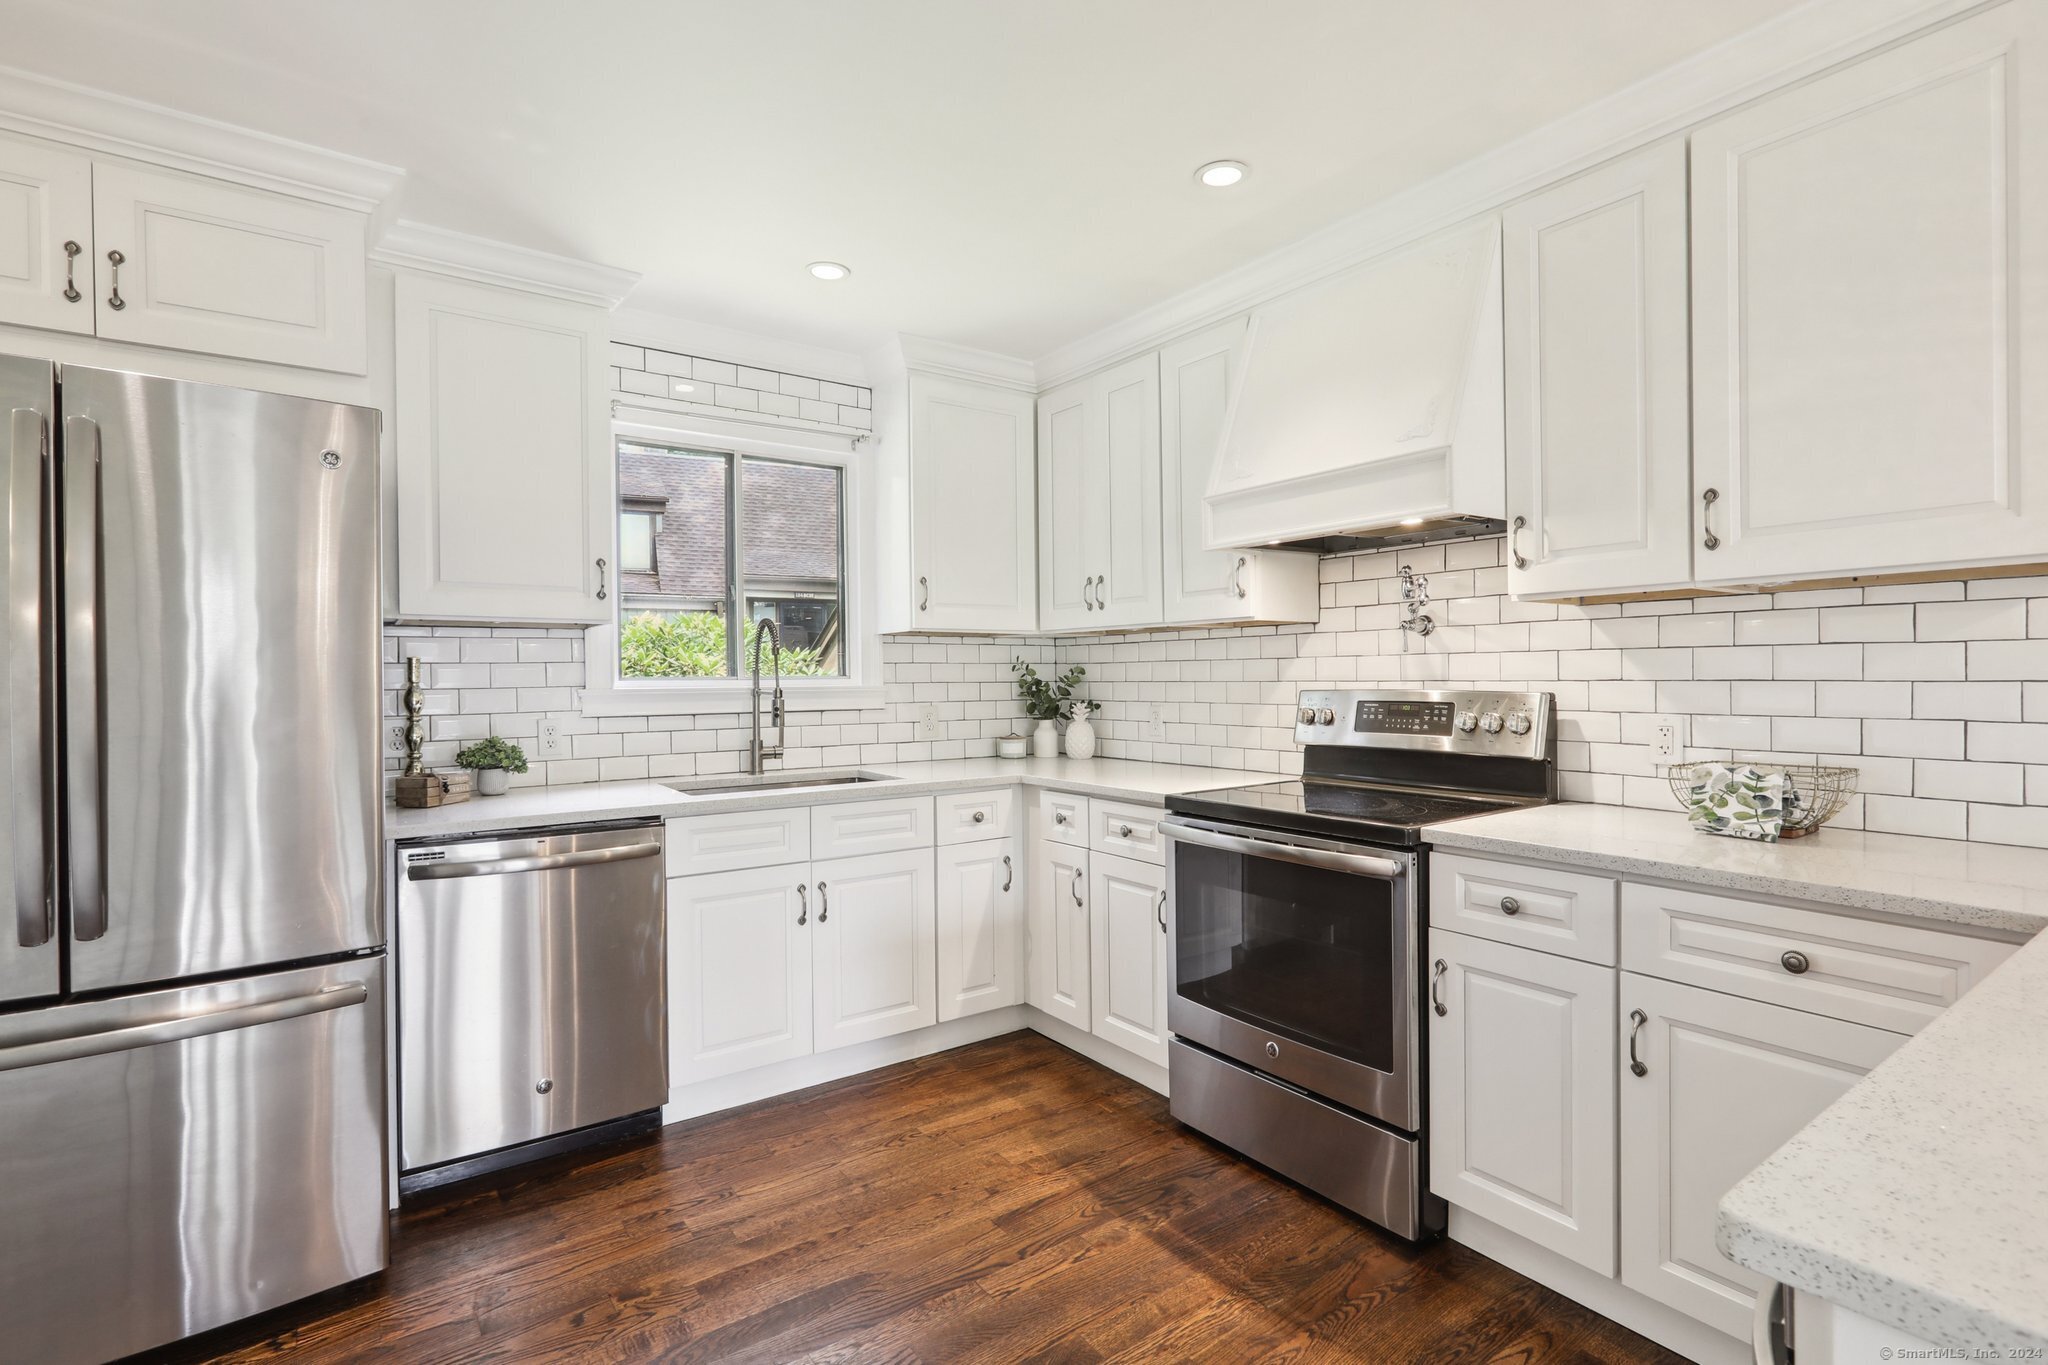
(759,753)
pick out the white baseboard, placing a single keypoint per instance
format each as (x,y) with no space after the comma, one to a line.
(1609,1298)
(800,1073)
(1128,1065)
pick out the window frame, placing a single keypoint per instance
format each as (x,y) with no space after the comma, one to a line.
(860,686)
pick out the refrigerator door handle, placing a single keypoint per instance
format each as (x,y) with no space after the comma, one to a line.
(82,667)
(44,1051)
(29,661)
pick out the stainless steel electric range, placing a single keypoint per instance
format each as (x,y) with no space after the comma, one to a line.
(1299,910)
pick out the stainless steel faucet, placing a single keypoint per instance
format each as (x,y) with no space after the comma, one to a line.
(759,753)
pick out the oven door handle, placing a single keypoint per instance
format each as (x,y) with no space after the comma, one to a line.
(1362,864)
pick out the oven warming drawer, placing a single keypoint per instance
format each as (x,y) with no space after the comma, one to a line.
(1373,1171)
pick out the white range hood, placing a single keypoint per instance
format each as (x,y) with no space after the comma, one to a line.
(1370,403)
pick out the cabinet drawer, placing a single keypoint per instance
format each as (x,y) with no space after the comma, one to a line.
(737,839)
(858,827)
(968,817)
(1063,818)
(1127,832)
(1888,976)
(1538,907)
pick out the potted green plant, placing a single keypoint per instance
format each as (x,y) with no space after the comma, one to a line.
(1049,701)
(491,759)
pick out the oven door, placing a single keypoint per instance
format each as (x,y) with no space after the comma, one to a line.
(1297,957)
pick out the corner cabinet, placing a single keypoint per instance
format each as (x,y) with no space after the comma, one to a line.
(1099,501)
(1201,585)
(131,253)
(1870,313)
(973,528)
(1128,948)
(1598,438)
(504,456)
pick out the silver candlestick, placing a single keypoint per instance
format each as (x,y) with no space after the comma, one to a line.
(415,728)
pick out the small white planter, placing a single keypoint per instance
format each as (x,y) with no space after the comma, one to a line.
(492,781)
(1045,740)
(1080,738)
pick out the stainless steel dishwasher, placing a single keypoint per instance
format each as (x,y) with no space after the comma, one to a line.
(531,1000)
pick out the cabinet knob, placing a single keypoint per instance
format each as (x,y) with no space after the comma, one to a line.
(1059,817)
(1510,906)
(1123,831)
(980,816)
(1272,1049)
(1795,962)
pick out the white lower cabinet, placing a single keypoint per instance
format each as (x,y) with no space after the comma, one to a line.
(739,971)
(1056,934)
(1725,1082)
(873,947)
(1521,1092)
(1128,946)
(981,888)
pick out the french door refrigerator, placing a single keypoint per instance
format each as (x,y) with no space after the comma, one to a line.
(191,954)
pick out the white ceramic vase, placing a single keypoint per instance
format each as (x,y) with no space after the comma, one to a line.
(491,781)
(1045,740)
(1080,738)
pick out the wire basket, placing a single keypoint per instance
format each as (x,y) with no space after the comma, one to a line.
(1817,793)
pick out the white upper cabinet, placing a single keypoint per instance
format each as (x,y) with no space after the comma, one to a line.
(1099,500)
(200,265)
(1598,426)
(974,552)
(504,455)
(46,267)
(122,251)
(1201,584)
(1870,313)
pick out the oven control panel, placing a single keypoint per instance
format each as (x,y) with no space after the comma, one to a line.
(1508,724)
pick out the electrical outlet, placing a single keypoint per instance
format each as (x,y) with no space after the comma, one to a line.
(928,721)
(549,743)
(1155,722)
(1667,735)
(398,739)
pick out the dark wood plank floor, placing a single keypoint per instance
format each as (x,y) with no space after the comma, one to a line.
(1006,1201)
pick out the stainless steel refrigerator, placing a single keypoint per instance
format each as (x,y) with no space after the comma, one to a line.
(191,957)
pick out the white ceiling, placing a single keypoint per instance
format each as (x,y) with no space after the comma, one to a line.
(1005,174)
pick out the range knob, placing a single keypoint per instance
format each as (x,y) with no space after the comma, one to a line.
(1467,722)
(1518,723)
(1490,722)
(1326,717)
(1307,715)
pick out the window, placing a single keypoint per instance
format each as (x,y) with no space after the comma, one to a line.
(685,579)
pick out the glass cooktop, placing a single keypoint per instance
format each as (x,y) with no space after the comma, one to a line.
(1343,810)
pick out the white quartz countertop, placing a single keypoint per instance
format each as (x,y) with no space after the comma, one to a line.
(1920,1198)
(1987,886)
(1114,778)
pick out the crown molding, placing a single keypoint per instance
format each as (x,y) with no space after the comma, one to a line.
(115,125)
(929,356)
(407,245)
(1792,47)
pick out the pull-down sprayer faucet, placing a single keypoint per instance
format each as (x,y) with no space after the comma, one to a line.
(759,753)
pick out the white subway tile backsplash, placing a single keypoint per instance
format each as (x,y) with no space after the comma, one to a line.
(1966,700)
(1777,627)
(1914,738)
(1892,700)
(1913,663)
(1864,623)
(1914,815)
(2004,619)
(2006,660)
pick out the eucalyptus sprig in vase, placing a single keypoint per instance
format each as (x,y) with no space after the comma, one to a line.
(1049,702)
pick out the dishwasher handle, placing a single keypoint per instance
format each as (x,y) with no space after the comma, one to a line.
(545,862)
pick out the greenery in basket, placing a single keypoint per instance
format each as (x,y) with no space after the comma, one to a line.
(492,753)
(692,645)
(1054,700)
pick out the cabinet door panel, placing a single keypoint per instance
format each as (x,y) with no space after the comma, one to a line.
(1127,955)
(874,946)
(45,202)
(1870,317)
(739,971)
(1057,937)
(1123,508)
(208,266)
(974,520)
(1522,1093)
(981,927)
(1598,424)
(1727,1081)
(505,459)
(1066,569)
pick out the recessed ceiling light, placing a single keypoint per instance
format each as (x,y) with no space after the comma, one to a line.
(1220,174)
(829,270)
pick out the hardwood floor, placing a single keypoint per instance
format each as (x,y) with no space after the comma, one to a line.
(1006,1201)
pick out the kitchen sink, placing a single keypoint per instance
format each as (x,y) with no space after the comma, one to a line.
(772,782)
